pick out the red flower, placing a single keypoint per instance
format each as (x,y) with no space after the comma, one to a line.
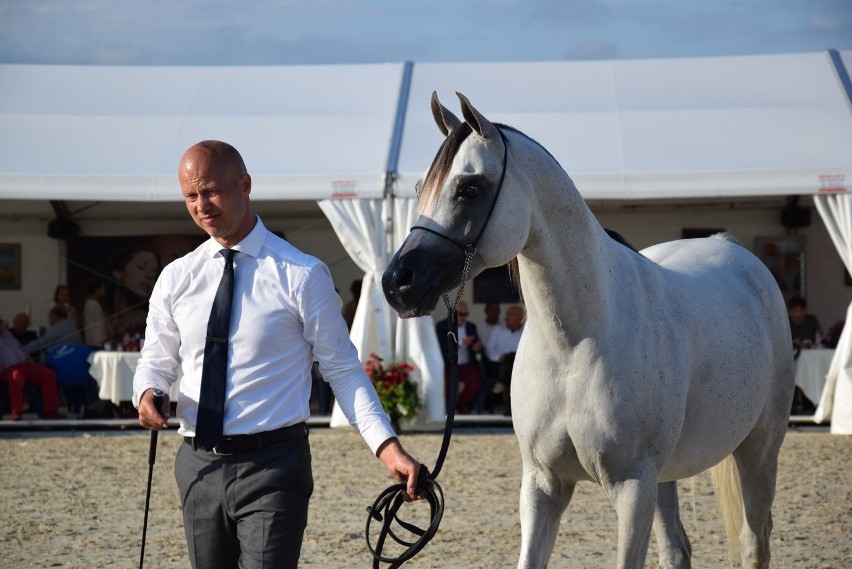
(397,392)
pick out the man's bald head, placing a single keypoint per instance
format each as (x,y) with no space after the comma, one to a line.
(218,152)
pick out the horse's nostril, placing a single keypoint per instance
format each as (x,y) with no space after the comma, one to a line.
(404,277)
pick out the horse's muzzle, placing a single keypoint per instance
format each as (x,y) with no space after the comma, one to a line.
(419,273)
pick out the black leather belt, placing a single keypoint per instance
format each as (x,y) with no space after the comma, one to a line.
(239,444)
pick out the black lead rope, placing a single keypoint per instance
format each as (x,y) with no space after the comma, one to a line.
(385,509)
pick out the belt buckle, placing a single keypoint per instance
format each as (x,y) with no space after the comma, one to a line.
(218,452)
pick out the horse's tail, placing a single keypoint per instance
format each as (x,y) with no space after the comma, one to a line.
(729,496)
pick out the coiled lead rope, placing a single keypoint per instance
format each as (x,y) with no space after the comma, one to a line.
(385,510)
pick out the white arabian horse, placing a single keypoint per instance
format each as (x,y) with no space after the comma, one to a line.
(634,370)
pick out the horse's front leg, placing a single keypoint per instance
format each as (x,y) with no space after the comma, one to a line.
(634,496)
(675,550)
(543,499)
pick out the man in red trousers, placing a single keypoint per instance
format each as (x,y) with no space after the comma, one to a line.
(16,369)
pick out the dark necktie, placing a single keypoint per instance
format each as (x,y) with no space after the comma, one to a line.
(211,402)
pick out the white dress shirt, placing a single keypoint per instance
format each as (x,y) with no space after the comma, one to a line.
(285,315)
(485,331)
(94,323)
(464,355)
(502,341)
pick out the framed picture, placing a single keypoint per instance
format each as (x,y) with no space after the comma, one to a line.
(10,266)
(785,258)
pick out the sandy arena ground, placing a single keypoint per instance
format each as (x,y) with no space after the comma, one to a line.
(77,500)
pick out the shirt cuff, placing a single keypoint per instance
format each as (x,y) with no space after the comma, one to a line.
(143,382)
(377,433)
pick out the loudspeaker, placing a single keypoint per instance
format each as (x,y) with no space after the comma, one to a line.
(62,228)
(794,215)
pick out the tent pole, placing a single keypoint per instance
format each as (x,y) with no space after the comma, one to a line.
(390,177)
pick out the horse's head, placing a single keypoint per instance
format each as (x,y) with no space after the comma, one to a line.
(467,210)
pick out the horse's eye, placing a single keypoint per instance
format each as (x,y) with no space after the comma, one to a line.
(468,192)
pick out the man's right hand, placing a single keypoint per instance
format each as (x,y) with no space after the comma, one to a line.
(149,416)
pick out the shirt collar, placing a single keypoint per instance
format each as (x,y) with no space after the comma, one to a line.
(250,245)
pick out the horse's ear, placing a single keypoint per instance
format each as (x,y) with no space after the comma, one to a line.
(480,125)
(445,120)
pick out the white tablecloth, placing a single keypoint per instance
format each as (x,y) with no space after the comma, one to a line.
(811,369)
(114,373)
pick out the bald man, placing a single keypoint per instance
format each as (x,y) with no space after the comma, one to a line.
(245,495)
(501,348)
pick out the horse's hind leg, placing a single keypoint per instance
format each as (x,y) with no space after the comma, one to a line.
(757,461)
(674,546)
(543,499)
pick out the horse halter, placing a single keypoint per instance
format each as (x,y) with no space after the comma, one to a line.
(469,250)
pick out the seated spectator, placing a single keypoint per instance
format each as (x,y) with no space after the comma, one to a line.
(501,348)
(21,328)
(94,320)
(804,327)
(62,300)
(834,334)
(469,345)
(16,370)
(61,332)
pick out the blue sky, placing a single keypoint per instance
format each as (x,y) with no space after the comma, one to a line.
(266,32)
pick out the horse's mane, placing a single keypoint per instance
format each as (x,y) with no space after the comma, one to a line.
(531,139)
(443,161)
(440,167)
(619,238)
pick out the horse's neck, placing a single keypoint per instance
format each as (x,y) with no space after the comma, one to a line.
(564,265)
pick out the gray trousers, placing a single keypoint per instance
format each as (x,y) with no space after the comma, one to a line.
(246,511)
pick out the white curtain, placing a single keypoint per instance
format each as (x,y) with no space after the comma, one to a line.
(416,340)
(836,400)
(360,225)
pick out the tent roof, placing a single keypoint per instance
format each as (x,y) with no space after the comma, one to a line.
(117,133)
(725,126)
(632,129)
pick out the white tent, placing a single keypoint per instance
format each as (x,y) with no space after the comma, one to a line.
(640,129)
(725,126)
(116,133)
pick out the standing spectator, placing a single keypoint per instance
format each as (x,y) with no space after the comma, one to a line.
(469,345)
(61,332)
(243,316)
(16,370)
(21,328)
(502,346)
(94,323)
(62,301)
(350,307)
(804,327)
(492,320)
(490,369)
